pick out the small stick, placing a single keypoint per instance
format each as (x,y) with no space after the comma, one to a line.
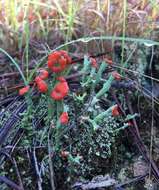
(138,178)
(18,174)
(51,164)
(39,179)
(10,183)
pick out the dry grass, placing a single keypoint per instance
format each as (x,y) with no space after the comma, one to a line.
(75,19)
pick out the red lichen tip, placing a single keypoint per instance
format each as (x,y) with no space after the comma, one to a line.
(60,91)
(37,79)
(43,74)
(42,86)
(108,61)
(94,62)
(24,90)
(115,111)
(64,154)
(116,75)
(61,79)
(64,118)
(130,123)
(58,61)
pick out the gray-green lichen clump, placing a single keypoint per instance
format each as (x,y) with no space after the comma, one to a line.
(95,147)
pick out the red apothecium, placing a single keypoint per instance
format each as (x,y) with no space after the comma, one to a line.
(64,118)
(42,86)
(93,62)
(115,111)
(58,61)
(43,74)
(116,75)
(64,154)
(24,90)
(60,90)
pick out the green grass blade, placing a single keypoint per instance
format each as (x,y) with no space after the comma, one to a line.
(15,64)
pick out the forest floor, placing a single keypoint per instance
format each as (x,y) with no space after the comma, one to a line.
(102,57)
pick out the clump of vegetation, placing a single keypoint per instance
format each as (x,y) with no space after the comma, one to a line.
(79,85)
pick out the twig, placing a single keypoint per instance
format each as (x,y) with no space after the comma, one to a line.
(51,164)
(39,179)
(138,178)
(14,142)
(18,174)
(10,183)
(13,161)
(131,112)
(11,122)
(102,181)
(8,147)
